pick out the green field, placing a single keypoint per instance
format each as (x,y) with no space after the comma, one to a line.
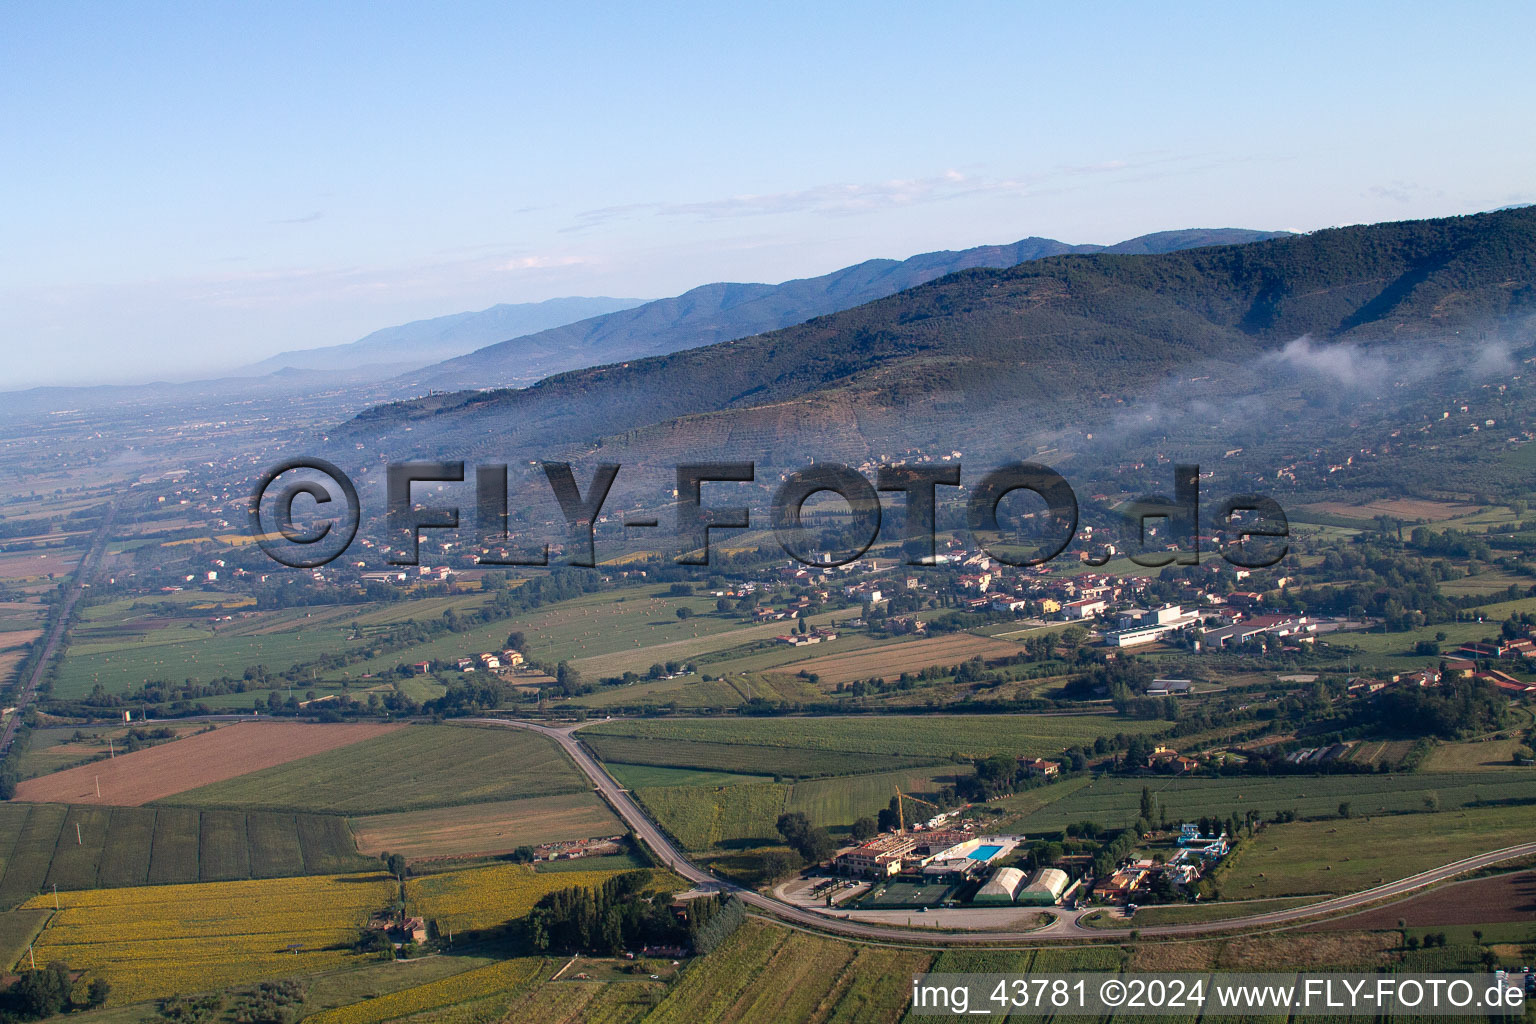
(123,644)
(915,736)
(1345,856)
(123,846)
(690,693)
(17,929)
(423,766)
(1491,755)
(742,759)
(703,817)
(590,626)
(1116,802)
(634,776)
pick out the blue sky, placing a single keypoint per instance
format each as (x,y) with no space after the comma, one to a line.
(193,186)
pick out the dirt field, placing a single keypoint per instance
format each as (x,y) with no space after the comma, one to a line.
(892,660)
(138,778)
(493,828)
(17,637)
(29,564)
(1510,897)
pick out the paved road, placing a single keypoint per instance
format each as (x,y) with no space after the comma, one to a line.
(82,574)
(1065,927)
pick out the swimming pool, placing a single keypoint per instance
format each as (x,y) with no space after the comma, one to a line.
(984,852)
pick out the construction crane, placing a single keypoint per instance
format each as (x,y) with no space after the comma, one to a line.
(901,814)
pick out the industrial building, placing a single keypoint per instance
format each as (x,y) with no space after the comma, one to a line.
(1144,627)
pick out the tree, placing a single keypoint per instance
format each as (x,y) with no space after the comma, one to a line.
(1146,803)
(864,828)
(395,863)
(39,993)
(1346,809)
(98,992)
(814,844)
(685,613)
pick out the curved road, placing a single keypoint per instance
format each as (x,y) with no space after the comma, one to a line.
(1064,928)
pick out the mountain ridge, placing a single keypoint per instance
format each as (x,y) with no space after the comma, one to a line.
(722,311)
(1060,329)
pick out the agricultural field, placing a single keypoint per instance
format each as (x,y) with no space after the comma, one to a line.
(208,757)
(121,645)
(1225,910)
(369,980)
(634,776)
(1476,755)
(702,636)
(739,759)
(17,927)
(890,660)
(1495,899)
(15,642)
(586,1002)
(1394,651)
(486,829)
(776,657)
(703,818)
(690,693)
(157,941)
(41,846)
(498,983)
(482,898)
(934,737)
(1407,509)
(1020,806)
(418,767)
(1378,752)
(765,974)
(55,748)
(1342,856)
(619,622)
(1115,802)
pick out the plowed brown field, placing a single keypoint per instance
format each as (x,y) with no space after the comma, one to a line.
(132,779)
(1498,898)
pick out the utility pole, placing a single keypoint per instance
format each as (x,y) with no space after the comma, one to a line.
(55,895)
(78,842)
(32,956)
(98,788)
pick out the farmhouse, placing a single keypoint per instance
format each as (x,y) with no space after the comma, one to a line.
(1038,767)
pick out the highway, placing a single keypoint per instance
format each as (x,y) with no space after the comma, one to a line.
(1064,927)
